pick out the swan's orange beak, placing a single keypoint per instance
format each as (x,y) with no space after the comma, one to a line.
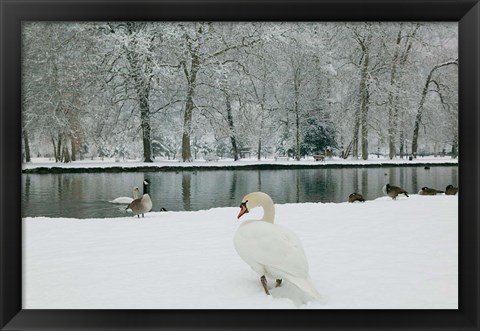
(243,209)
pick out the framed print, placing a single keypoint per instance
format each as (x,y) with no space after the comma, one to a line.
(132,132)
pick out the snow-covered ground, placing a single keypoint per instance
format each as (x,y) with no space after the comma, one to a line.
(381,254)
(109,163)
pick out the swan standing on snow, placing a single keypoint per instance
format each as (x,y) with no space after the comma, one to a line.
(126,200)
(142,205)
(269,249)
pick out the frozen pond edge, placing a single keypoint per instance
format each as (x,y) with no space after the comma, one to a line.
(108,168)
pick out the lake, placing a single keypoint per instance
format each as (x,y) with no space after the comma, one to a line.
(88,195)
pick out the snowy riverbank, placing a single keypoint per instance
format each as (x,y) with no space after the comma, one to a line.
(381,254)
(44,165)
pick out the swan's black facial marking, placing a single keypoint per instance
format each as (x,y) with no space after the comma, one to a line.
(243,209)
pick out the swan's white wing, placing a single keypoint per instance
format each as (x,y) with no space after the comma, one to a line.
(384,190)
(273,246)
(122,200)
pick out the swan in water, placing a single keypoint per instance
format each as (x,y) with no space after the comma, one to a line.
(126,200)
(141,205)
(271,250)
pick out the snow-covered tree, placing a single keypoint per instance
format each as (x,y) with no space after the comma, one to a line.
(183,90)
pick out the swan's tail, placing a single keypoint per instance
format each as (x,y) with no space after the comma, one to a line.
(305,285)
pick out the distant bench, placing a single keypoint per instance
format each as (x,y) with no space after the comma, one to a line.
(319,157)
(282,158)
(209,158)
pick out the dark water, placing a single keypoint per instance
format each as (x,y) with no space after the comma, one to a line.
(87,195)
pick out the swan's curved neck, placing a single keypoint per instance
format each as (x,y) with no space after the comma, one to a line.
(268,210)
(268,214)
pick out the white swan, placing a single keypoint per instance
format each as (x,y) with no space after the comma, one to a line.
(126,200)
(269,249)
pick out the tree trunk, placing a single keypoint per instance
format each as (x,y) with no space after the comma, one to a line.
(402,143)
(392,133)
(362,112)
(141,77)
(54,149)
(143,92)
(231,127)
(418,117)
(346,152)
(455,146)
(187,120)
(392,109)
(73,155)
(297,133)
(145,123)
(59,148)
(262,121)
(364,103)
(65,154)
(26,146)
(74,144)
(365,128)
(296,110)
(187,127)
(259,149)
(399,60)
(356,130)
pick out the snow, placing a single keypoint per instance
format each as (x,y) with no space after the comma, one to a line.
(109,163)
(381,254)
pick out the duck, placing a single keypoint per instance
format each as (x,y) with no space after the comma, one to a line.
(356,197)
(141,205)
(271,250)
(451,190)
(126,200)
(393,191)
(428,191)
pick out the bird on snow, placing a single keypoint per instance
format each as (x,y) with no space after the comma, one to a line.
(271,250)
(393,191)
(355,197)
(428,191)
(451,190)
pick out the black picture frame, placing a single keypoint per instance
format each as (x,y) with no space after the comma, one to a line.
(13,12)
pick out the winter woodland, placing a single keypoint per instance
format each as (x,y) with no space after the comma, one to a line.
(183,91)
